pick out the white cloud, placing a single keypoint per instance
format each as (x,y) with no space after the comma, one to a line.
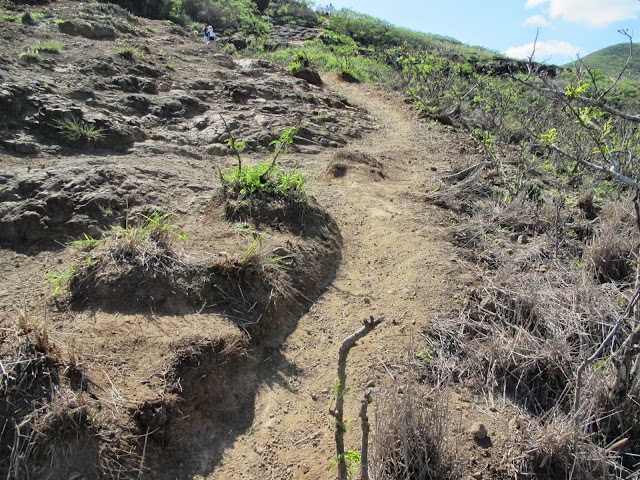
(545,50)
(595,13)
(535,21)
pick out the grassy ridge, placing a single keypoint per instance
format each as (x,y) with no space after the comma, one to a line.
(611,61)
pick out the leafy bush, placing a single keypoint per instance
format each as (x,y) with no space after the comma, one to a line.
(322,57)
(370,31)
(155,9)
(226,16)
(297,12)
(238,183)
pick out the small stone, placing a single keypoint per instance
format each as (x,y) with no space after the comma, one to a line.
(314,397)
(367,301)
(517,423)
(479,431)
(281,252)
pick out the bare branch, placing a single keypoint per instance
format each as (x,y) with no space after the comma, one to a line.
(598,168)
(338,413)
(364,419)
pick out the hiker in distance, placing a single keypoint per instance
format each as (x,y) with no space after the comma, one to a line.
(330,9)
(209,34)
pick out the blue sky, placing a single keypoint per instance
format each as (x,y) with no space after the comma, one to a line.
(567,27)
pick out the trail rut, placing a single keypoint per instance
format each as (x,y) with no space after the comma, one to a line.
(396,262)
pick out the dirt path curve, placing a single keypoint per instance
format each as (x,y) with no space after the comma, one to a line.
(396,262)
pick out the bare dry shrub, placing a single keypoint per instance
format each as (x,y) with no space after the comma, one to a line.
(518,216)
(610,255)
(527,335)
(559,449)
(46,424)
(462,196)
(29,364)
(412,436)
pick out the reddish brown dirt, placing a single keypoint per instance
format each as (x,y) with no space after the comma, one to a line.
(397,262)
(264,413)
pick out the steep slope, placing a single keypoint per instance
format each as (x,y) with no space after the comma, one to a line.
(223,366)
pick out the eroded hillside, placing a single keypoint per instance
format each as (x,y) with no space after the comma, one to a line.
(161,320)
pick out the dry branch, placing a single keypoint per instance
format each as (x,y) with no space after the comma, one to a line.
(364,419)
(338,413)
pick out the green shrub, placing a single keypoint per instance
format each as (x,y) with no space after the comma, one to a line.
(297,12)
(226,16)
(155,9)
(322,57)
(265,177)
(239,183)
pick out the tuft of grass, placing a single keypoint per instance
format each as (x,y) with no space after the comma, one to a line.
(106,211)
(253,259)
(30,56)
(86,243)
(60,279)
(145,246)
(53,47)
(76,130)
(129,53)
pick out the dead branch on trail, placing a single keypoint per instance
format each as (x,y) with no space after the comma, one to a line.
(340,388)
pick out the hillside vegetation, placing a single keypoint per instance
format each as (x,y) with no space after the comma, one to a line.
(541,199)
(613,60)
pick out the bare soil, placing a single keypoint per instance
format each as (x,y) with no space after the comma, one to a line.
(234,383)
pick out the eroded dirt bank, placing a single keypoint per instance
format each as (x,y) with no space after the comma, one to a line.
(204,372)
(397,262)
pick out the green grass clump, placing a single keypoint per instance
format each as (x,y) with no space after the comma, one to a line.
(53,47)
(60,279)
(129,53)
(30,56)
(77,130)
(8,16)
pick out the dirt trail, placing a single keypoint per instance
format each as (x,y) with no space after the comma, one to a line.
(396,262)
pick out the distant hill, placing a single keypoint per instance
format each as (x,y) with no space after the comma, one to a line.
(611,60)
